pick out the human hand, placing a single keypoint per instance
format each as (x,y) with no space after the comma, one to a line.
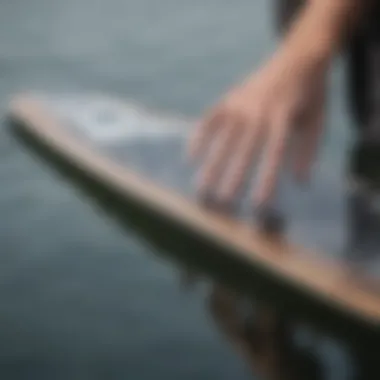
(278,110)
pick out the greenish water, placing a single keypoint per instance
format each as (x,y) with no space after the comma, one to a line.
(82,298)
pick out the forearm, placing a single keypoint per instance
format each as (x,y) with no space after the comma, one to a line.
(321,28)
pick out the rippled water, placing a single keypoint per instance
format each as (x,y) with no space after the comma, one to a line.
(82,298)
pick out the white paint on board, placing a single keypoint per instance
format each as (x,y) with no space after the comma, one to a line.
(106,120)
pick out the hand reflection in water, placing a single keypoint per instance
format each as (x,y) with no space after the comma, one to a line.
(263,337)
(266,340)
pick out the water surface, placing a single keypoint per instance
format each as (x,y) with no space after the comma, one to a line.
(81,297)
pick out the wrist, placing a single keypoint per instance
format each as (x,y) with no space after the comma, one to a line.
(320,30)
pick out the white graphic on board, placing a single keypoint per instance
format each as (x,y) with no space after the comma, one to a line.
(104,120)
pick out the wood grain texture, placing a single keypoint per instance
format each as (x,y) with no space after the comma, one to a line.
(323,279)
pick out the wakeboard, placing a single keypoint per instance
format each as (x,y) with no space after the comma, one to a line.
(138,153)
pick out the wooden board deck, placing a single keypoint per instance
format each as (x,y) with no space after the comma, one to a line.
(95,134)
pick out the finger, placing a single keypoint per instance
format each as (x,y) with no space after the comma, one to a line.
(240,164)
(203,133)
(306,150)
(219,154)
(307,144)
(273,158)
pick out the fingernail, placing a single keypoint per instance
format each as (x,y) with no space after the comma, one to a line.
(270,220)
(214,203)
(205,198)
